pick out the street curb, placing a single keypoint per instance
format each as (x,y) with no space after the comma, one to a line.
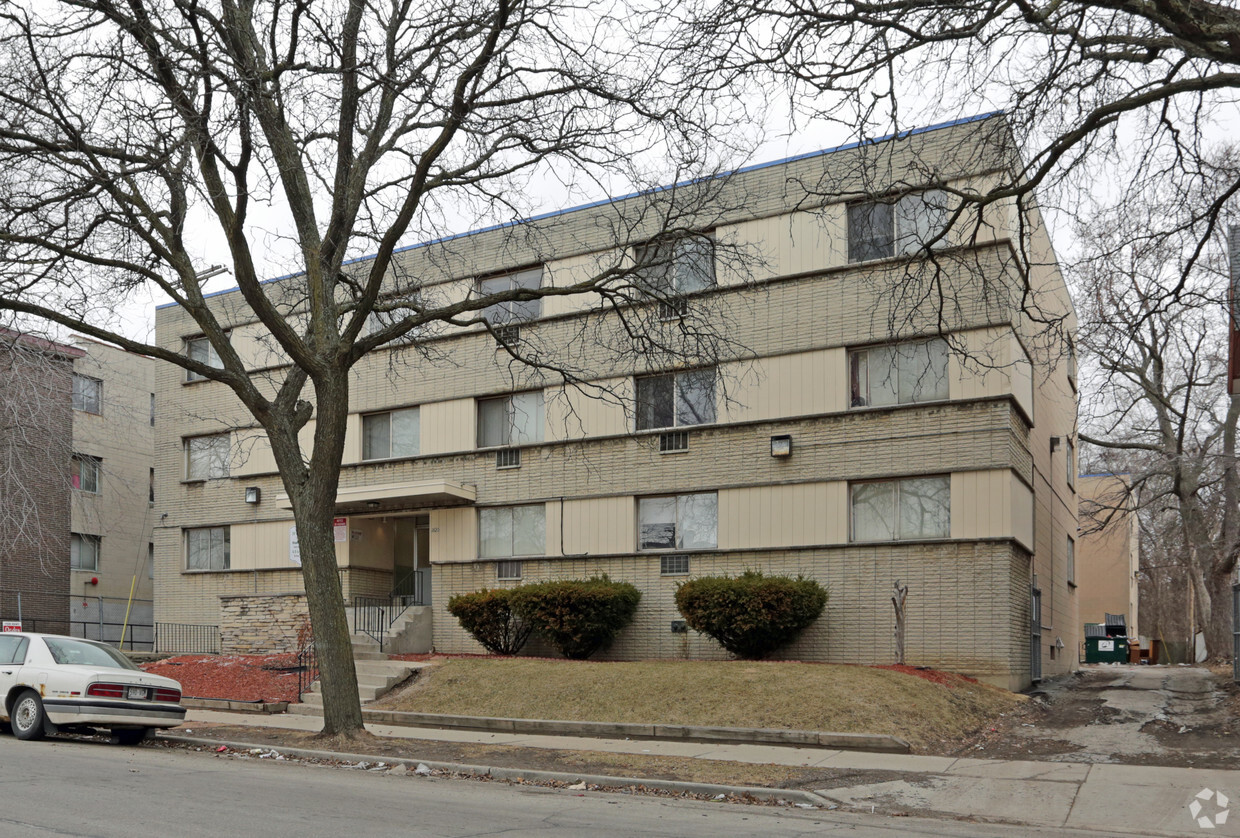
(870,742)
(498,773)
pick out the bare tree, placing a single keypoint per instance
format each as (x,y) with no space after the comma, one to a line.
(1156,407)
(1100,95)
(128,128)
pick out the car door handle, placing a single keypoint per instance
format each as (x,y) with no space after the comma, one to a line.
(7,671)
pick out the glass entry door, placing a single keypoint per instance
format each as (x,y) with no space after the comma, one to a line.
(411,560)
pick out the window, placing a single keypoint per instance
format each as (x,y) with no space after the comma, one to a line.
(673,399)
(84,552)
(150,561)
(678,522)
(681,266)
(510,420)
(901,373)
(512,531)
(891,510)
(13,648)
(152,410)
(84,473)
(512,311)
(391,434)
(207,548)
(1071,576)
(200,349)
(206,457)
(394,313)
(151,493)
(87,394)
(880,229)
(508,570)
(1071,464)
(1071,362)
(673,565)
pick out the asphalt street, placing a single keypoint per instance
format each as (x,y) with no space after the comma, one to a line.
(83,788)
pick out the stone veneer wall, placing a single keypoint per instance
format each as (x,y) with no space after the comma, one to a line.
(261,624)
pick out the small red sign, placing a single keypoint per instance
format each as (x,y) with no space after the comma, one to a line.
(12,625)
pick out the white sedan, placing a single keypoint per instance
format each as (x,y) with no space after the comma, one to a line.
(51,683)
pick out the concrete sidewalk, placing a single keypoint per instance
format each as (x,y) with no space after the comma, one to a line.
(1129,799)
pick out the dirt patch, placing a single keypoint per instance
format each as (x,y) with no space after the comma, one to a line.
(1169,716)
(926,707)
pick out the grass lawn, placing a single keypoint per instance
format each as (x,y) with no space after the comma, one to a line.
(806,696)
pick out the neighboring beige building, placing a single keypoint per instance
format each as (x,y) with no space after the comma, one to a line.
(944,462)
(1107,557)
(112,480)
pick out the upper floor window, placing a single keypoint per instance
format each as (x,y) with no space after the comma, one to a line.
(893,510)
(680,266)
(151,492)
(678,522)
(512,531)
(201,350)
(671,399)
(898,374)
(880,229)
(206,457)
(510,420)
(1071,569)
(84,473)
(393,433)
(208,548)
(512,311)
(84,552)
(87,394)
(1071,464)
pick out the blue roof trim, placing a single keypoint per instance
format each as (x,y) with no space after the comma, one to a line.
(809,155)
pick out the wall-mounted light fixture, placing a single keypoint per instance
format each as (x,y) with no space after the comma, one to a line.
(372,504)
(781,446)
(1056,441)
(252,494)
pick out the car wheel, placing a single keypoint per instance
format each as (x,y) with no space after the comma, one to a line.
(129,736)
(26,717)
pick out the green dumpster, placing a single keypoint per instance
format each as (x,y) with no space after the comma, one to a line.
(1106,650)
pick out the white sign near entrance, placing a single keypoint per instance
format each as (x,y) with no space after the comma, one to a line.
(12,625)
(294,548)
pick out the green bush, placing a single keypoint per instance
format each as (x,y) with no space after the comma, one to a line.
(578,616)
(489,617)
(751,615)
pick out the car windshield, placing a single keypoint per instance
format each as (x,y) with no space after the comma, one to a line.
(66,650)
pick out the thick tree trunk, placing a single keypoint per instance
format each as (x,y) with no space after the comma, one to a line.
(313,495)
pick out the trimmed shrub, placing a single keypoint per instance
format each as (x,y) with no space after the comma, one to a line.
(489,617)
(577,616)
(751,615)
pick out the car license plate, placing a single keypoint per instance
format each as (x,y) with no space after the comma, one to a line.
(135,692)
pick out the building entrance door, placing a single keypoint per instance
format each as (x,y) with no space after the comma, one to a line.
(411,561)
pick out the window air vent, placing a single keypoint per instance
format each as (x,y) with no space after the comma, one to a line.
(508,458)
(507,335)
(673,565)
(673,309)
(673,442)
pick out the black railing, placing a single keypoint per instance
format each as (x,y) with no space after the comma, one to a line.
(307,669)
(413,588)
(187,638)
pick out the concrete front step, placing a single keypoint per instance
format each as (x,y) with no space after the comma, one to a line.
(374,679)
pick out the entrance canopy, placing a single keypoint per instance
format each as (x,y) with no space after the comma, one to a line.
(394,497)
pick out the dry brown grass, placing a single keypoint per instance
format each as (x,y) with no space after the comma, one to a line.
(805,696)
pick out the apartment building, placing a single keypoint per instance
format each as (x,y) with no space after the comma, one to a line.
(875,412)
(112,482)
(1108,551)
(36,420)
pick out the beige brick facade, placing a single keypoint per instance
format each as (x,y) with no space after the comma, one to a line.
(790,317)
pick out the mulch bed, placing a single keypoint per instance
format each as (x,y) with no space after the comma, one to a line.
(936,676)
(235,677)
